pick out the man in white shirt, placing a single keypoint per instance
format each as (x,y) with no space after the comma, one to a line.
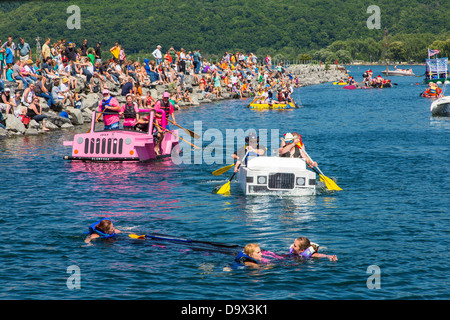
(157,54)
(182,61)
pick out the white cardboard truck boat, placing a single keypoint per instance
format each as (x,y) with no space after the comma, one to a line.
(277,175)
(441,107)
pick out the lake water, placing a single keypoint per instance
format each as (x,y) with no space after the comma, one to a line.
(383,147)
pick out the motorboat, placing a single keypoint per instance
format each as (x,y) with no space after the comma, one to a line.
(276,175)
(441,107)
(398,72)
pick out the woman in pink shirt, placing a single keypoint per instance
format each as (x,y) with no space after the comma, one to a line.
(130,112)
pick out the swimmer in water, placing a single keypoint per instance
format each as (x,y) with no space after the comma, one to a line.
(302,247)
(103,229)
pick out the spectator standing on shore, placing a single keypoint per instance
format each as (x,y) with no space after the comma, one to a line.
(46,49)
(9,54)
(2,62)
(23,50)
(173,55)
(182,63)
(98,52)
(157,55)
(84,48)
(11,45)
(71,52)
(197,61)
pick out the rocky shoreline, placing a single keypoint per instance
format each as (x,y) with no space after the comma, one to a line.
(307,75)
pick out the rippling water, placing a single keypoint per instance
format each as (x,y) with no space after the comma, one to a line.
(383,147)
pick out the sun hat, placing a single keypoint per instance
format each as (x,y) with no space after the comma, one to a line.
(105,91)
(166,95)
(288,137)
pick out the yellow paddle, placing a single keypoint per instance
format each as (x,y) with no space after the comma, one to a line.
(226,187)
(218,172)
(329,183)
(135,236)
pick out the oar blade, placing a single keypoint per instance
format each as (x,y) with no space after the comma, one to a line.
(135,236)
(220,171)
(223,189)
(329,183)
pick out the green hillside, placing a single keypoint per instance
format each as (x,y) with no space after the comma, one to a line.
(323,29)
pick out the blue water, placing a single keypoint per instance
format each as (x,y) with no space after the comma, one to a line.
(383,146)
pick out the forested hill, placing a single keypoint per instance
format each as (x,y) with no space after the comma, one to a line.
(284,27)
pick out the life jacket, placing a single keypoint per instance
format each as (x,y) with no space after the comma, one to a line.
(432,92)
(300,143)
(93,229)
(241,258)
(107,103)
(164,107)
(129,112)
(306,254)
(250,155)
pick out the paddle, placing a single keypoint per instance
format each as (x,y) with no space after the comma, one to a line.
(218,172)
(329,183)
(175,135)
(189,132)
(169,238)
(226,187)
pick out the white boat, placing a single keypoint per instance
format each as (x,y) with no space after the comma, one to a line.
(441,107)
(398,72)
(277,175)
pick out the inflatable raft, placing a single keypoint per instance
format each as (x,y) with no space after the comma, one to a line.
(275,106)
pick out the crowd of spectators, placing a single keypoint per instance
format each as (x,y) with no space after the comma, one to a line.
(62,71)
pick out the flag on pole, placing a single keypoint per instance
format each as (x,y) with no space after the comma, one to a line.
(432,52)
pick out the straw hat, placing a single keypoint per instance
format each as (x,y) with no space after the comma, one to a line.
(288,137)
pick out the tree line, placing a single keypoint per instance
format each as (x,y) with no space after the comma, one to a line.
(324,30)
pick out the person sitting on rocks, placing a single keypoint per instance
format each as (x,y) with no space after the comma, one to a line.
(6,103)
(187,97)
(42,91)
(28,95)
(34,111)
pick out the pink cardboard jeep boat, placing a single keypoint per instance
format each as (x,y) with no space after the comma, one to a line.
(120,144)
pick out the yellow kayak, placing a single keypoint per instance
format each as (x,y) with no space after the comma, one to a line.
(340,83)
(276,106)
